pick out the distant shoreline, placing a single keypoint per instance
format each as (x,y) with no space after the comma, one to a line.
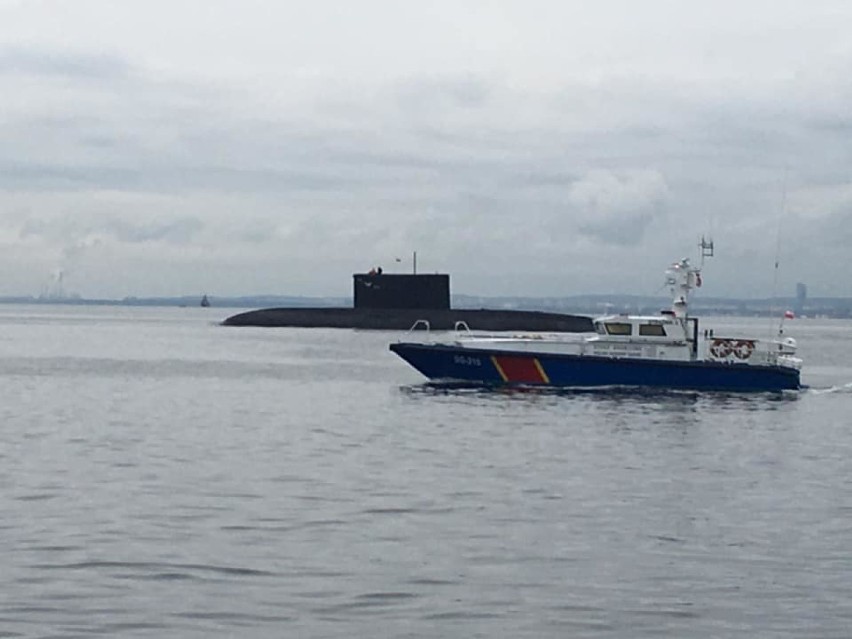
(594,305)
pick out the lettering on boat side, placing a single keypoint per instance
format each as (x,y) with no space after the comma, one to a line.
(467,360)
(618,349)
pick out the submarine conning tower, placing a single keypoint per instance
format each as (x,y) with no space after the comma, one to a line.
(400,291)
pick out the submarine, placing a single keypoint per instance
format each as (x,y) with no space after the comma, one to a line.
(392,301)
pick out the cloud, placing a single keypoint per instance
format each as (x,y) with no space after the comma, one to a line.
(532,142)
(72,253)
(79,234)
(617,208)
(175,231)
(58,63)
(452,91)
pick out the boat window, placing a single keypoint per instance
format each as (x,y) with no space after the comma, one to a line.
(618,328)
(656,330)
(599,328)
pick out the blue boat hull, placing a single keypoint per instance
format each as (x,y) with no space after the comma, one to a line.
(486,366)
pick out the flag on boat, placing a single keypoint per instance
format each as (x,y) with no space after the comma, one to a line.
(789,315)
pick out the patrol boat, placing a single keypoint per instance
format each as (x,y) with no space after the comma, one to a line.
(664,351)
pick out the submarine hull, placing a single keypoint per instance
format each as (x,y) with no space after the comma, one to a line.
(404,319)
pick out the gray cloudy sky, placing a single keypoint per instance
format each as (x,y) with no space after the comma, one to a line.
(531,147)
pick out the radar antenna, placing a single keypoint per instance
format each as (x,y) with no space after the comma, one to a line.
(706,247)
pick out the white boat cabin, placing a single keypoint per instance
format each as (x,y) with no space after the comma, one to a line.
(647,337)
(674,338)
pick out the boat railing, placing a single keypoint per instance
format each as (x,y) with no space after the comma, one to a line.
(421,324)
(737,350)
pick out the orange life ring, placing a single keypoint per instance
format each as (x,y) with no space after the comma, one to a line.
(743,349)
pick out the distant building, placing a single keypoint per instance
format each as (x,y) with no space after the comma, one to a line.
(801,297)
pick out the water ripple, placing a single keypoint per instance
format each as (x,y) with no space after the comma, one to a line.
(168,569)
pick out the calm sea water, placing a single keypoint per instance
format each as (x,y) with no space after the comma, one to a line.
(163,476)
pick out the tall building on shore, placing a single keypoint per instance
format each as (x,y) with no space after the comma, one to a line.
(801,297)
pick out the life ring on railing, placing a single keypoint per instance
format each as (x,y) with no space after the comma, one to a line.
(743,349)
(720,348)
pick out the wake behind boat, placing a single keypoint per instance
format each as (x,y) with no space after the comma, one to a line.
(664,351)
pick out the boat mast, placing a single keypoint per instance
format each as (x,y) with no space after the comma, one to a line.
(682,277)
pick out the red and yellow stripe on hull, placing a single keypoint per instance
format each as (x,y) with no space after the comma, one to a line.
(519,369)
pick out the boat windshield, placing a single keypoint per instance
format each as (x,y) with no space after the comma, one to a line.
(619,328)
(654,330)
